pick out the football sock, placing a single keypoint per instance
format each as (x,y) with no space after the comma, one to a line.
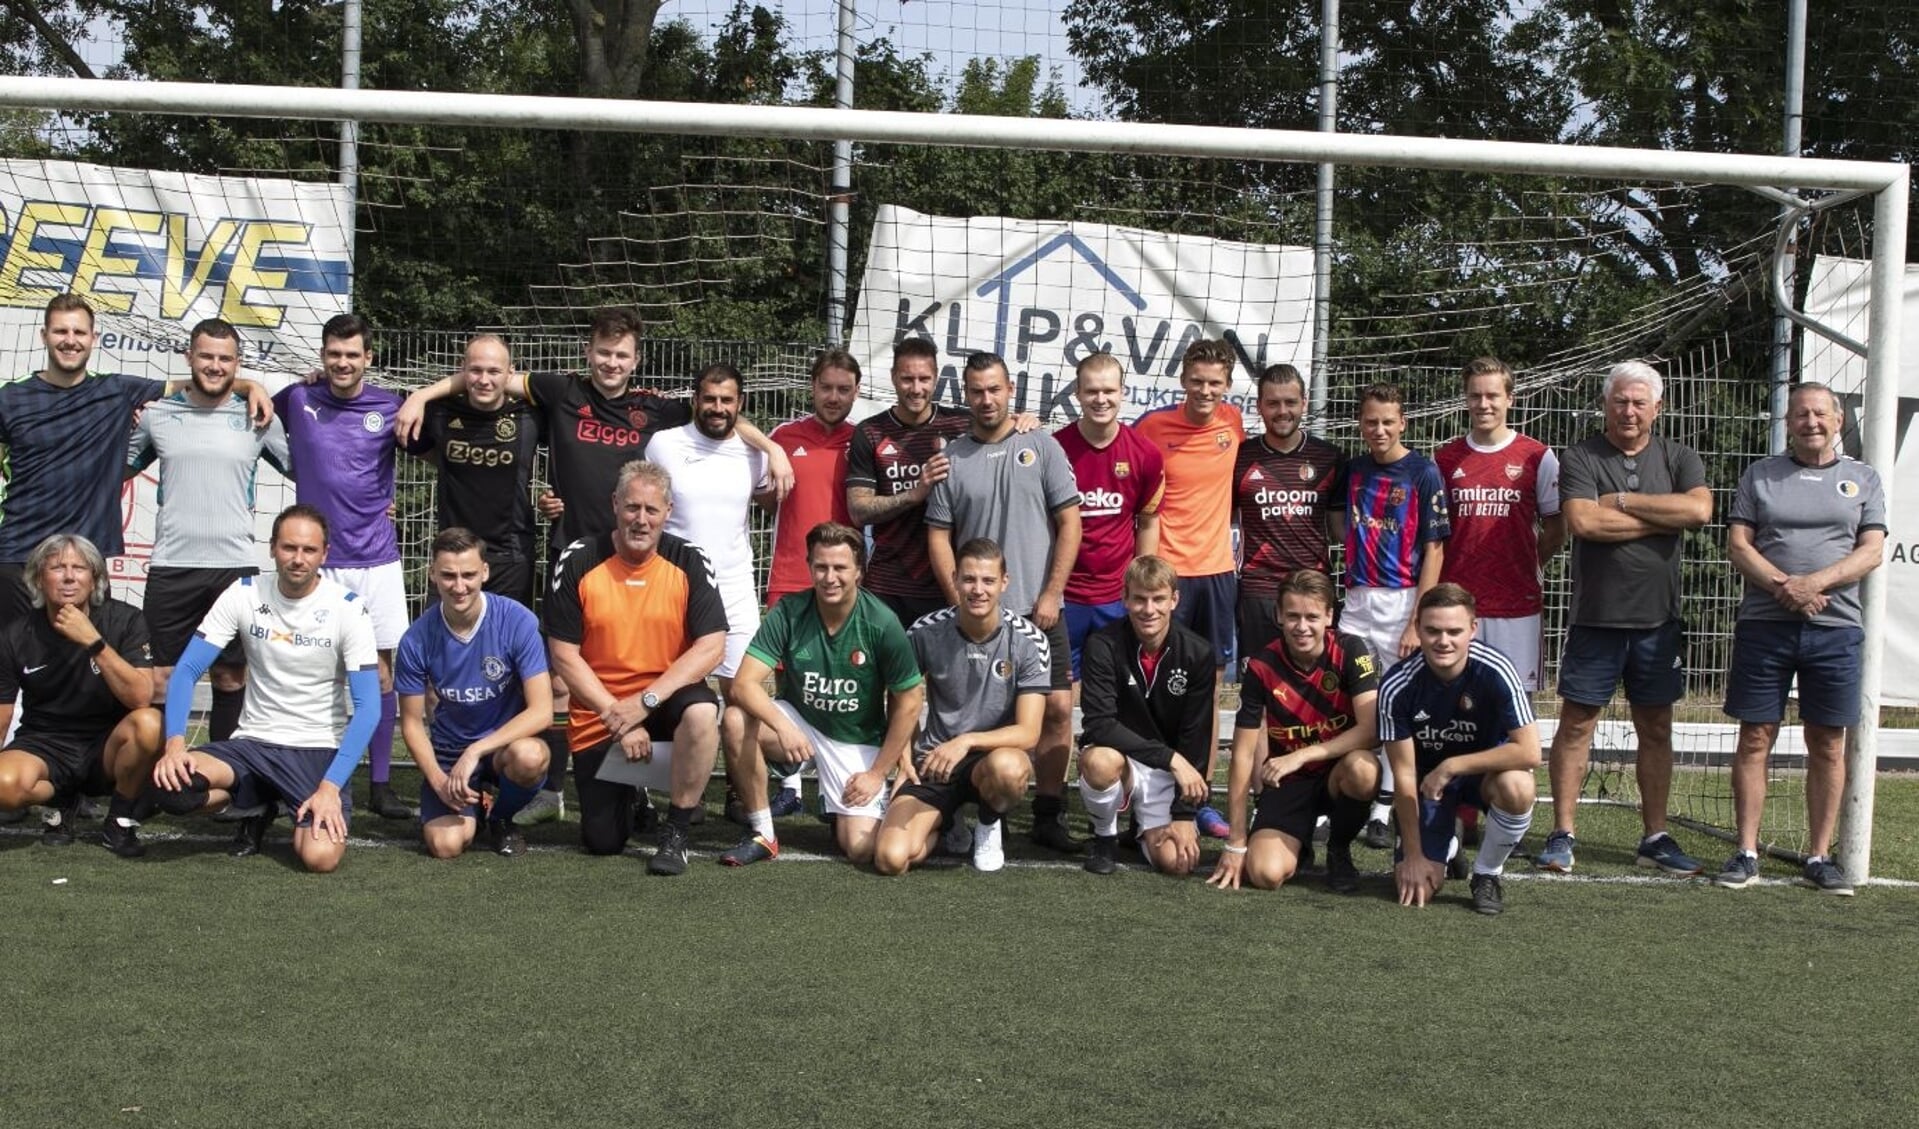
(511,798)
(224,716)
(556,754)
(762,823)
(380,749)
(1048,808)
(1347,821)
(792,782)
(679,817)
(987,816)
(1102,806)
(1383,799)
(120,810)
(1501,833)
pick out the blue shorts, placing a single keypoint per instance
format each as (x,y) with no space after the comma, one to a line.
(485,777)
(1084,619)
(263,771)
(1650,661)
(1210,606)
(1436,817)
(1767,653)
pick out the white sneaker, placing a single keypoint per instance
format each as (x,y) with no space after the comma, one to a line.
(957,840)
(988,855)
(541,808)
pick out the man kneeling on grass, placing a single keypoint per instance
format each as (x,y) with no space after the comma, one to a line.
(302,635)
(1313,692)
(849,700)
(1146,704)
(1456,718)
(483,659)
(988,672)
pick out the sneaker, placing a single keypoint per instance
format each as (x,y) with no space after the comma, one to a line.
(957,839)
(1825,876)
(752,849)
(646,818)
(670,858)
(382,801)
(252,834)
(988,854)
(735,810)
(1662,852)
(17,815)
(122,839)
(88,810)
(506,838)
(1557,854)
(544,807)
(1489,897)
(1342,877)
(1740,871)
(1053,835)
(1103,858)
(1212,824)
(56,828)
(1377,835)
(786,802)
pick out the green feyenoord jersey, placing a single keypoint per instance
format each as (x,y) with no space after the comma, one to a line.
(838,682)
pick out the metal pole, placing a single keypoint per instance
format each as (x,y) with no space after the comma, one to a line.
(1323,210)
(1795,114)
(840,202)
(350,127)
(1880,431)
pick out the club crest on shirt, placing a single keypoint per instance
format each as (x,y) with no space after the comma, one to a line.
(239,423)
(1027,457)
(1222,440)
(493,667)
(1513,471)
(1397,496)
(1003,669)
(636,418)
(1848,488)
(505,428)
(372,422)
(1176,683)
(1328,681)
(857,658)
(1122,468)
(1306,472)
(1466,703)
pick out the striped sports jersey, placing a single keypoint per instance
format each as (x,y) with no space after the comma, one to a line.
(1282,498)
(1303,706)
(65,453)
(629,621)
(819,455)
(1472,713)
(1495,497)
(1196,510)
(1392,512)
(886,457)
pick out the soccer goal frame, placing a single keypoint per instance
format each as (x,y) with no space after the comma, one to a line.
(1886,182)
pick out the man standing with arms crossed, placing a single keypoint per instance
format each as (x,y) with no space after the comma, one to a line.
(209,452)
(341,433)
(1629,497)
(1502,492)
(1017,490)
(1805,528)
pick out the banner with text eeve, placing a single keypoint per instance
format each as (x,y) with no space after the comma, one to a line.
(155,252)
(1044,295)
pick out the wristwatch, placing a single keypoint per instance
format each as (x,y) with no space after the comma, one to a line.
(94,648)
(650,700)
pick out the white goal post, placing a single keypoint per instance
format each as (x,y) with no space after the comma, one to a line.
(1888,183)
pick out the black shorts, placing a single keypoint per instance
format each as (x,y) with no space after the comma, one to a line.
(911,609)
(1258,625)
(1296,805)
(1061,645)
(956,793)
(75,765)
(177,600)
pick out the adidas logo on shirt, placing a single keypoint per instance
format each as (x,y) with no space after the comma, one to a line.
(1253,475)
(1459,472)
(1422,715)
(799,452)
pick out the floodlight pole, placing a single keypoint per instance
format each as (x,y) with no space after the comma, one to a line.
(1323,212)
(840,195)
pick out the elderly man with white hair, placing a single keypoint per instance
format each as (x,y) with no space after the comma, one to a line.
(1628,497)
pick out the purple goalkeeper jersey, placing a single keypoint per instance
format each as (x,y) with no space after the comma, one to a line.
(343,454)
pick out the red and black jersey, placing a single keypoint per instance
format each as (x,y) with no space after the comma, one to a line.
(888,456)
(1282,498)
(590,436)
(1303,707)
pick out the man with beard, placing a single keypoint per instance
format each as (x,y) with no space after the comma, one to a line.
(817,445)
(209,453)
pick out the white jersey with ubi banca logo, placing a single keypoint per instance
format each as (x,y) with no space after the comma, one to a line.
(298,654)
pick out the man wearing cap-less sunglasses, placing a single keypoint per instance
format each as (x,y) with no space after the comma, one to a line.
(1628,496)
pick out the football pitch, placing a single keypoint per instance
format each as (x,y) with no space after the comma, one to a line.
(191,989)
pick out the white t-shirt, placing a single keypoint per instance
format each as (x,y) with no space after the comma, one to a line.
(714,481)
(298,654)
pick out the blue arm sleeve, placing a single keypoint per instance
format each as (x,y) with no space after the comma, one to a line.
(195,662)
(364,686)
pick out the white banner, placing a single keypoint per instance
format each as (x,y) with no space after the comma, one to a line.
(155,252)
(1840,296)
(1045,295)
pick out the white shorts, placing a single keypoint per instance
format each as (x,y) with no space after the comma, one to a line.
(1379,616)
(1517,639)
(383,587)
(742,623)
(1153,790)
(836,762)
